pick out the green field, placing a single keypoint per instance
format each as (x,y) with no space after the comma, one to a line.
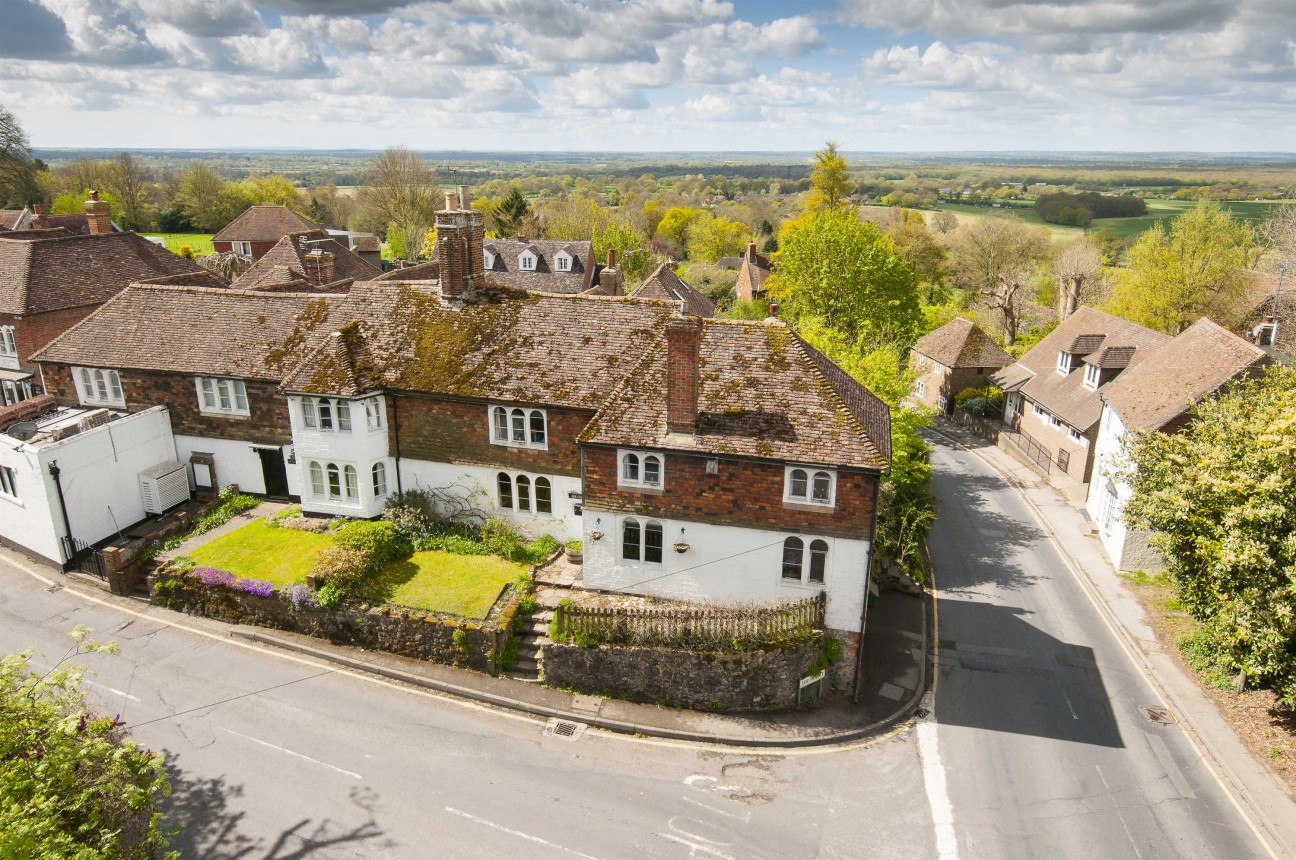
(199,242)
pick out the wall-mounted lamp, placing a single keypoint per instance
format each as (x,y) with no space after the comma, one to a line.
(680,546)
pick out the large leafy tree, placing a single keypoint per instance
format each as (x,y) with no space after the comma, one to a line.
(1218,499)
(17,170)
(508,215)
(843,270)
(1076,265)
(829,180)
(1193,269)
(402,189)
(711,237)
(995,259)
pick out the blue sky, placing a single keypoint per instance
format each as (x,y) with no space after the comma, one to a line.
(898,75)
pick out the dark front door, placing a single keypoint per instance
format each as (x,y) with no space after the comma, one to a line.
(274,470)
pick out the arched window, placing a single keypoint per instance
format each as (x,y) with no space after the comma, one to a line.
(86,385)
(101,388)
(334,481)
(822,491)
(505,485)
(344,415)
(373,413)
(653,543)
(652,470)
(316,479)
(793,548)
(308,412)
(631,542)
(114,382)
(630,469)
(543,496)
(379,480)
(537,427)
(798,489)
(519,426)
(325,414)
(818,560)
(501,424)
(523,493)
(352,482)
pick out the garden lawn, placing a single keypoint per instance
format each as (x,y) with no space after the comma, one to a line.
(200,242)
(465,585)
(257,551)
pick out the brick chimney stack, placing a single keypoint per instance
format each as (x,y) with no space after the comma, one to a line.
(97,215)
(751,252)
(611,281)
(683,343)
(461,233)
(320,266)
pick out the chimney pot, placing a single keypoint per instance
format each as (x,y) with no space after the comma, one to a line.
(611,258)
(751,252)
(36,209)
(773,308)
(449,201)
(464,199)
(683,344)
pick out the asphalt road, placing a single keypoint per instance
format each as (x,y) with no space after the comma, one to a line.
(1045,747)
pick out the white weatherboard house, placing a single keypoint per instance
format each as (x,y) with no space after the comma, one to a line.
(1154,397)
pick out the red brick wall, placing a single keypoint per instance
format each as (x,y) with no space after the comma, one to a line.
(34,331)
(454,431)
(743,493)
(267,425)
(259,249)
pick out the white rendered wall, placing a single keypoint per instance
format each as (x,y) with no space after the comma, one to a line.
(725,563)
(479,483)
(359,447)
(30,521)
(1108,451)
(237,462)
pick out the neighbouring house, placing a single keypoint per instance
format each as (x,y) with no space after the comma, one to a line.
(366,246)
(72,476)
(220,386)
(1272,323)
(50,281)
(94,220)
(259,229)
(1154,396)
(1053,394)
(14,219)
(753,272)
(954,357)
(543,265)
(664,284)
(304,262)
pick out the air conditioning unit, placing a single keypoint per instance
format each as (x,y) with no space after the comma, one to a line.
(164,486)
(91,420)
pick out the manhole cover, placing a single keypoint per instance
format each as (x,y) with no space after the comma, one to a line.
(1157,714)
(564,729)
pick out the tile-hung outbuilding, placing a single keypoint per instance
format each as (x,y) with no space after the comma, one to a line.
(954,357)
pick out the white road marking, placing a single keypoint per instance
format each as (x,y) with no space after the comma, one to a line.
(694,847)
(518,833)
(296,754)
(114,691)
(937,795)
(1069,707)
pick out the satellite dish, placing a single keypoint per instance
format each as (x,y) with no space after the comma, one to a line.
(23,430)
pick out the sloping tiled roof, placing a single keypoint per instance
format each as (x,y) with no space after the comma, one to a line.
(10,218)
(752,276)
(426,271)
(960,343)
(74,271)
(545,278)
(264,224)
(507,345)
(1113,357)
(665,284)
(1187,369)
(289,261)
(256,335)
(1065,396)
(75,223)
(762,392)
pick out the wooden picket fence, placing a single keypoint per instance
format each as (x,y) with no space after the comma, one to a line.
(703,628)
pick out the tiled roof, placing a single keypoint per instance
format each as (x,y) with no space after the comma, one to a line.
(426,271)
(366,244)
(960,343)
(74,271)
(545,278)
(1086,343)
(665,284)
(507,345)
(75,223)
(762,392)
(1065,396)
(264,224)
(289,261)
(10,218)
(1190,367)
(752,276)
(1111,357)
(192,330)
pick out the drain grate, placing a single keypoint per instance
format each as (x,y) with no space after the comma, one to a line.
(922,713)
(565,729)
(1157,714)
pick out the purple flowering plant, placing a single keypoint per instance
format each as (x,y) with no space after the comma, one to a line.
(210,576)
(256,587)
(302,597)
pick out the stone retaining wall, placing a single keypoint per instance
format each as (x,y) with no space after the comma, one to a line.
(713,681)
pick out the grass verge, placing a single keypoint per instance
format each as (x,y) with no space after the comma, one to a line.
(464,585)
(257,551)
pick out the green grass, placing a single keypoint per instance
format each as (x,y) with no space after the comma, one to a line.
(257,551)
(967,214)
(200,242)
(464,585)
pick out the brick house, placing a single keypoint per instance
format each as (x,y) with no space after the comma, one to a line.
(1154,396)
(664,284)
(954,357)
(306,261)
(50,281)
(753,272)
(220,387)
(259,229)
(1053,394)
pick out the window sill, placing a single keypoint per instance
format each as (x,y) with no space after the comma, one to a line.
(641,489)
(94,404)
(796,583)
(522,446)
(13,500)
(216,413)
(793,505)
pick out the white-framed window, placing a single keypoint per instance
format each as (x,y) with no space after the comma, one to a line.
(243,249)
(8,482)
(317,479)
(1063,362)
(527,261)
(1054,421)
(562,262)
(331,481)
(543,496)
(807,485)
(523,493)
(221,395)
(1092,374)
(638,469)
(642,542)
(373,413)
(98,387)
(1075,435)
(488,260)
(379,473)
(519,428)
(8,346)
(326,414)
(352,481)
(922,388)
(1111,505)
(1039,411)
(800,567)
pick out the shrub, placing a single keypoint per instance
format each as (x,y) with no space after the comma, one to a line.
(988,392)
(980,407)
(574,546)
(342,567)
(527,604)
(329,596)
(379,542)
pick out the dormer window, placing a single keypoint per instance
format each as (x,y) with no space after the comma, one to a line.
(1092,374)
(639,470)
(97,387)
(562,262)
(519,428)
(527,261)
(1064,362)
(809,486)
(488,260)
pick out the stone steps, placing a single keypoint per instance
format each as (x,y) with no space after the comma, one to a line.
(531,640)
